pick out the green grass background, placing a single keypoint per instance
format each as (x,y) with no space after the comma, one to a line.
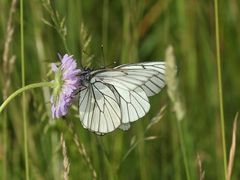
(130,31)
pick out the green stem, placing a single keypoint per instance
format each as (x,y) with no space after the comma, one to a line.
(21,90)
(183,149)
(23,97)
(5,142)
(219,73)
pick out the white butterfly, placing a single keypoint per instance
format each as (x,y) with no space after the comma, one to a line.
(112,98)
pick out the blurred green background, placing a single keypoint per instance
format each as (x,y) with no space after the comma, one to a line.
(129,31)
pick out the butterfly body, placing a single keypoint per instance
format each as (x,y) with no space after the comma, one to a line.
(113,98)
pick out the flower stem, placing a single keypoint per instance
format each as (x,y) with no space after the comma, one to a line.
(183,149)
(23,96)
(219,73)
(19,91)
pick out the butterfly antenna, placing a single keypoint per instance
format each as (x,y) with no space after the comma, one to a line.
(59,56)
(110,65)
(103,57)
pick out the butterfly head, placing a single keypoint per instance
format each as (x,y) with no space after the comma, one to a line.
(84,75)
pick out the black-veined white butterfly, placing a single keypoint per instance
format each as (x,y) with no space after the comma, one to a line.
(112,98)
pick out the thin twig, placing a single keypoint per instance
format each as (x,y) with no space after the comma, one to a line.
(201,172)
(66,164)
(8,64)
(82,151)
(151,16)
(135,142)
(85,39)
(233,148)
(156,118)
(59,23)
(178,105)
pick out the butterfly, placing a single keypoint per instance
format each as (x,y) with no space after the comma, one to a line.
(113,98)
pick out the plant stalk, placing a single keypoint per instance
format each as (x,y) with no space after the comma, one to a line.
(23,89)
(219,74)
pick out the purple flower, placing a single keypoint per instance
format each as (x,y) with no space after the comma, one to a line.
(66,85)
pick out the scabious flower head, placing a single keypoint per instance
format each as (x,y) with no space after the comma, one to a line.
(66,85)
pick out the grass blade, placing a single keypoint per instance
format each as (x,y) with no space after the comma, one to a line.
(219,75)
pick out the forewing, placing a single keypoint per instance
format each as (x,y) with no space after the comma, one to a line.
(98,108)
(117,78)
(149,76)
(151,73)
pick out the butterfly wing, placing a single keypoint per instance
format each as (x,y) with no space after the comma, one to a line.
(151,73)
(121,92)
(98,108)
(134,104)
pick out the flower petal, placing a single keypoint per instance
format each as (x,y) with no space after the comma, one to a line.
(70,83)
(54,67)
